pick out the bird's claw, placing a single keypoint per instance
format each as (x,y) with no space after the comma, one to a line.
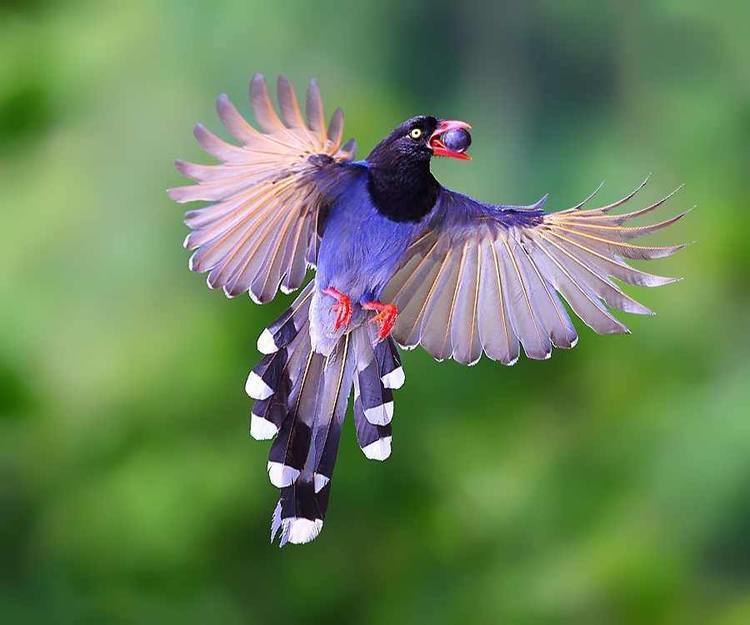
(385,317)
(342,309)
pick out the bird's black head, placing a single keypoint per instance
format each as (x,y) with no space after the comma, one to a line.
(417,140)
(400,180)
(408,142)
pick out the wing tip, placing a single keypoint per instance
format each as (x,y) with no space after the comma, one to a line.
(201,133)
(223,104)
(181,195)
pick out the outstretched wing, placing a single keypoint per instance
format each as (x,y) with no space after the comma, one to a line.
(484,278)
(259,231)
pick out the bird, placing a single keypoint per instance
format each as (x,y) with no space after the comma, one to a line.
(400,261)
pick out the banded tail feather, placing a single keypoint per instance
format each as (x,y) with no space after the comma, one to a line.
(303,502)
(283,331)
(389,364)
(376,399)
(374,440)
(297,515)
(301,402)
(285,343)
(290,448)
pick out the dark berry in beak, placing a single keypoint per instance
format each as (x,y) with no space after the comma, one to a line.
(456,140)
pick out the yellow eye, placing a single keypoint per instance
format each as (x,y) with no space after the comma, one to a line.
(415,133)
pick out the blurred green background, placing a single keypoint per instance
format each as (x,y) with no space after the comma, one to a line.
(610,484)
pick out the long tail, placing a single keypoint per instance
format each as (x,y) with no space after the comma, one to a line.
(301,399)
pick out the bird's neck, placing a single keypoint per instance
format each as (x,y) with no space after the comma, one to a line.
(403,192)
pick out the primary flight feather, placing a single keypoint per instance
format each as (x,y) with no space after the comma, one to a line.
(400,260)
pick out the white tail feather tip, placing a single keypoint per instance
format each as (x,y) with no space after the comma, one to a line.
(379,450)
(394,379)
(256,388)
(299,531)
(262,429)
(266,344)
(281,475)
(320,481)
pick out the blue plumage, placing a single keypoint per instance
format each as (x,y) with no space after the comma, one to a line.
(361,248)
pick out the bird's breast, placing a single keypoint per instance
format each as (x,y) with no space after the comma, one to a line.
(361,249)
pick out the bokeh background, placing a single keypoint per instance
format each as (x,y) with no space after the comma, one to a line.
(610,484)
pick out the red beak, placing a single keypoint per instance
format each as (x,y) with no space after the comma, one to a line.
(438,147)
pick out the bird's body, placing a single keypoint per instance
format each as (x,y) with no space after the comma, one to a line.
(399,260)
(351,259)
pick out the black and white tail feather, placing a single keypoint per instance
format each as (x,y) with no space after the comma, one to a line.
(301,398)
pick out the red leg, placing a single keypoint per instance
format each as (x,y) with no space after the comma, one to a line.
(342,308)
(385,317)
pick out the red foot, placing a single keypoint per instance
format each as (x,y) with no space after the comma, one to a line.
(385,317)
(342,308)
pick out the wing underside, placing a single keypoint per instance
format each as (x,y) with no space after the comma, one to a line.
(259,230)
(499,285)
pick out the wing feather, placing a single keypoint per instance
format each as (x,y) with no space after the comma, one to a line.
(255,255)
(315,113)
(298,265)
(583,302)
(411,296)
(523,316)
(467,348)
(230,245)
(495,332)
(434,322)
(290,110)
(550,312)
(265,114)
(234,122)
(619,248)
(595,281)
(336,127)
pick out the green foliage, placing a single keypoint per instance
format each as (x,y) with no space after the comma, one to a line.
(607,485)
